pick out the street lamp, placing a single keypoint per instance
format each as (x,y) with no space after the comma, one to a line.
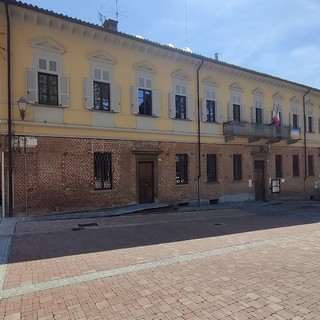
(22,105)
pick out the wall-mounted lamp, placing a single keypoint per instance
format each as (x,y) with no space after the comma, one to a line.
(22,105)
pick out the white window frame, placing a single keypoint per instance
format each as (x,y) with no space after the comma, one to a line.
(295,111)
(236,97)
(101,70)
(210,93)
(180,86)
(258,103)
(48,56)
(310,113)
(145,80)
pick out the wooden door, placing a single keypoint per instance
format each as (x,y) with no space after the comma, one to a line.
(146,181)
(259,180)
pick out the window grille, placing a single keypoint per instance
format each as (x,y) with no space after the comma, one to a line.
(237,167)
(181,169)
(211,168)
(102,171)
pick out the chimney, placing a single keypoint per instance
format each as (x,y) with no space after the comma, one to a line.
(111,24)
(216,56)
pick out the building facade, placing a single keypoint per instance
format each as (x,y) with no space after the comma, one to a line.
(112,120)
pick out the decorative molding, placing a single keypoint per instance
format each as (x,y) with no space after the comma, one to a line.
(309,104)
(211,81)
(48,44)
(258,92)
(180,74)
(145,67)
(102,56)
(277,96)
(236,87)
(294,100)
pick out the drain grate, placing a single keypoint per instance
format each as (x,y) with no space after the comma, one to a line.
(77,229)
(85,225)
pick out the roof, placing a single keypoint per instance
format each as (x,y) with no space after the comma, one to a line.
(153,43)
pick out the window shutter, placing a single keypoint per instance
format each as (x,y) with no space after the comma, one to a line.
(219,116)
(307,125)
(156,103)
(299,120)
(315,125)
(318,125)
(172,105)
(190,108)
(88,91)
(204,109)
(31,76)
(254,114)
(230,111)
(64,90)
(115,97)
(243,113)
(134,100)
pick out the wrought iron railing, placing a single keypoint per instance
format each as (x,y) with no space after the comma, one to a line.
(260,131)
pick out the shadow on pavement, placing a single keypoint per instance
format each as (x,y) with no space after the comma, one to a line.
(36,240)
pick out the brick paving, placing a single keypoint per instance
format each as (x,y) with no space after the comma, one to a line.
(203,271)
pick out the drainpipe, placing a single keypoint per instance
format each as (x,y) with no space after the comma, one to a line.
(305,142)
(10,206)
(199,132)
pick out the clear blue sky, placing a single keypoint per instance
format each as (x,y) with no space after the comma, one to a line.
(278,37)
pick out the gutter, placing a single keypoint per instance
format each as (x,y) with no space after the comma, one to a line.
(305,141)
(199,133)
(10,191)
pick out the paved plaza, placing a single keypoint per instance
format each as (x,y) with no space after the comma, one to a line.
(231,263)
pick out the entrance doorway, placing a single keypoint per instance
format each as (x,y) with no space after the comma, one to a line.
(259,180)
(146,181)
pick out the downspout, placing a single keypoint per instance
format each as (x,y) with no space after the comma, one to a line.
(199,132)
(305,142)
(10,206)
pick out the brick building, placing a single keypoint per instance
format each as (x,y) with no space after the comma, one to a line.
(112,120)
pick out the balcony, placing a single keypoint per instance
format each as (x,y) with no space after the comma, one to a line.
(255,132)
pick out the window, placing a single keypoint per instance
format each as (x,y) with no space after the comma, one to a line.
(48,88)
(181,104)
(295,166)
(211,168)
(181,169)
(294,121)
(309,124)
(145,99)
(101,92)
(237,167)
(145,102)
(181,107)
(310,166)
(236,112)
(46,85)
(294,116)
(258,107)
(211,111)
(278,160)
(102,171)
(210,108)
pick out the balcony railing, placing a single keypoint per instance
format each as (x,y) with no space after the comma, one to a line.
(256,131)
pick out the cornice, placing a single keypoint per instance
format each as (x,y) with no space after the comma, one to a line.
(47,19)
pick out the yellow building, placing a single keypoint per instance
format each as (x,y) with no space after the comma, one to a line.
(91,117)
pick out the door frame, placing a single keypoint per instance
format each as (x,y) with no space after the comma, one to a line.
(147,156)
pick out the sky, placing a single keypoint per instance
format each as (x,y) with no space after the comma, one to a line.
(277,37)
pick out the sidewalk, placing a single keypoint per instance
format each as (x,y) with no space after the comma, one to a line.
(166,266)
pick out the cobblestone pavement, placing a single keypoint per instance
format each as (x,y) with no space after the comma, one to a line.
(228,264)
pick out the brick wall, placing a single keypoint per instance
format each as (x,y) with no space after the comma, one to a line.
(57,175)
